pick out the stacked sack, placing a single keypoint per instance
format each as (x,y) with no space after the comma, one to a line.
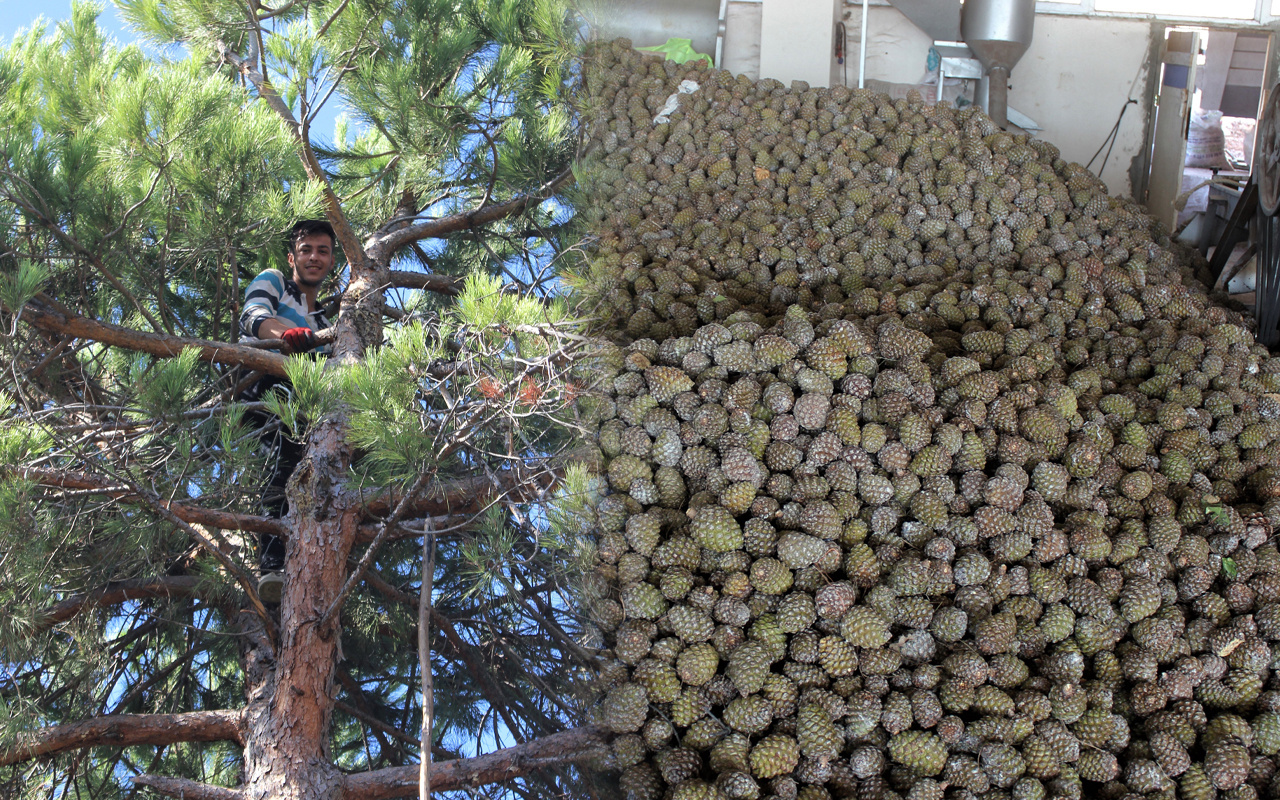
(932,472)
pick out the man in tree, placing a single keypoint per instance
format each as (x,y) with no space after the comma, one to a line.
(277,307)
(428,611)
(285,308)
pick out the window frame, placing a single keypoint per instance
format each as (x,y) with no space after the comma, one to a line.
(1263,15)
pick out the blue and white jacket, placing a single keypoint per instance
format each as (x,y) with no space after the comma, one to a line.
(272,295)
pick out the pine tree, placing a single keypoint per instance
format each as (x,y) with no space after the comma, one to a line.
(144,187)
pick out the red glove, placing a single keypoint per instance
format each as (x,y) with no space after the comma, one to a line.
(300,340)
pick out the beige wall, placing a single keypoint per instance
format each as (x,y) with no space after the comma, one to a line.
(1073,80)
(797,40)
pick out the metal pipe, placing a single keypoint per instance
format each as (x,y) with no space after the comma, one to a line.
(862,46)
(998,96)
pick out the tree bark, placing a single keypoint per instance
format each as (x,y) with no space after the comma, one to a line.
(286,754)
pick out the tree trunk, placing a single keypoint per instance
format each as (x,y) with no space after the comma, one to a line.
(291,691)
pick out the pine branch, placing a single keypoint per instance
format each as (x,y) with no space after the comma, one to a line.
(267,92)
(385,244)
(387,526)
(472,495)
(224,520)
(365,711)
(209,540)
(46,218)
(568,747)
(117,592)
(125,730)
(460,649)
(441,284)
(46,318)
(185,789)
(482,679)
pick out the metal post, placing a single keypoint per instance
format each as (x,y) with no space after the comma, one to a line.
(862,46)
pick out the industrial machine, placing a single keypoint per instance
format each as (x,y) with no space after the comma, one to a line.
(1266,224)
(998,32)
(652,22)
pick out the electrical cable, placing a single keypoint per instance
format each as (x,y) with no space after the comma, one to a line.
(1110,141)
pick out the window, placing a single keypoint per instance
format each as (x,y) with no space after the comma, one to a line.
(1221,9)
(1244,10)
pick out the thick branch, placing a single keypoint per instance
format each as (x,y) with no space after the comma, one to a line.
(383,246)
(440,284)
(46,318)
(224,520)
(118,592)
(125,730)
(472,495)
(465,495)
(567,747)
(185,789)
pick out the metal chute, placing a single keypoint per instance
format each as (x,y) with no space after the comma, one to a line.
(998,32)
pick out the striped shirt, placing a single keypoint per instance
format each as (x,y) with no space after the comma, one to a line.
(273,296)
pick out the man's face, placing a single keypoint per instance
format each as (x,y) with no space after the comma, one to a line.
(311,259)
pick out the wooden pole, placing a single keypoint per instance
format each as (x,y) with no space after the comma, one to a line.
(424,656)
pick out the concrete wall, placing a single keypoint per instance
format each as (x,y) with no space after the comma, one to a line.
(1073,80)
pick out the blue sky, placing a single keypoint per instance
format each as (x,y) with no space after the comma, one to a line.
(16,14)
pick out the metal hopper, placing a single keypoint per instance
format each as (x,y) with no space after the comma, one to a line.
(998,32)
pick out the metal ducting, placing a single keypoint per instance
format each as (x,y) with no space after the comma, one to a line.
(941,20)
(998,32)
(652,22)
